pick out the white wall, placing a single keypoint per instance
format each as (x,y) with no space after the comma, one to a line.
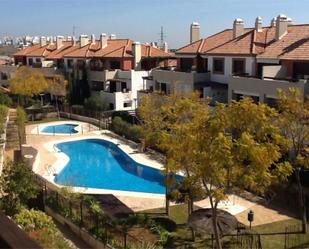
(224,78)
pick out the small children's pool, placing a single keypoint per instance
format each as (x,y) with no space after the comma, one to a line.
(100,164)
(60,129)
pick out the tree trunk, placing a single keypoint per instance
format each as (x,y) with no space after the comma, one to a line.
(57,107)
(215,226)
(301,202)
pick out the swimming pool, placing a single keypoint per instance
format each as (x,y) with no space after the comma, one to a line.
(60,129)
(100,164)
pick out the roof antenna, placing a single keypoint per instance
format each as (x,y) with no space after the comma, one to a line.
(74,30)
(162,36)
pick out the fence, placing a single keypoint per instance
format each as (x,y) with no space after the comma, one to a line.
(81,214)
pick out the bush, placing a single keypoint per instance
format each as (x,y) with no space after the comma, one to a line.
(17,187)
(41,228)
(3,114)
(5,99)
(95,103)
(133,132)
(33,220)
(21,122)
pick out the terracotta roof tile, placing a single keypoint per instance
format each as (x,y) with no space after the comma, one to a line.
(116,48)
(250,42)
(65,49)
(293,46)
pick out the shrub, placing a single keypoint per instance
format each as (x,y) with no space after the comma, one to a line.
(21,121)
(95,103)
(5,99)
(133,132)
(41,228)
(33,220)
(17,187)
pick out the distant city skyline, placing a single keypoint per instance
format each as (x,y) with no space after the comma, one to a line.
(140,20)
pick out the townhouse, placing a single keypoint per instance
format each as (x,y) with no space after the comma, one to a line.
(241,62)
(114,68)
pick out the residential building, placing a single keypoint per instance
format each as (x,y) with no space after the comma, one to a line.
(283,63)
(114,67)
(240,61)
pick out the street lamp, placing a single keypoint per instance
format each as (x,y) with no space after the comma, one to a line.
(250,217)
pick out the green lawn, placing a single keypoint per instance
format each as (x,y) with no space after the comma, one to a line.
(182,234)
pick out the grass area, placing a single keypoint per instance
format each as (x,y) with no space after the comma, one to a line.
(46,120)
(278,241)
(182,234)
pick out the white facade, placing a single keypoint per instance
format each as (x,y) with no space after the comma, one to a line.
(123,99)
(228,64)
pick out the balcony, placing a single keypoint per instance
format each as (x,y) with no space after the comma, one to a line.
(177,77)
(265,88)
(101,75)
(119,100)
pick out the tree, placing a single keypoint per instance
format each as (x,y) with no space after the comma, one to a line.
(57,87)
(21,119)
(235,145)
(28,82)
(293,120)
(5,99)
(17,186)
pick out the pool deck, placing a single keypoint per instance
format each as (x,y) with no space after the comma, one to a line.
(50,161)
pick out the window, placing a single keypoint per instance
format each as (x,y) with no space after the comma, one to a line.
(70,63)
(97,85)
(127,104)
(186,64)
(115,64)
(38,60)
(239,66)
(30,61)
(218,66)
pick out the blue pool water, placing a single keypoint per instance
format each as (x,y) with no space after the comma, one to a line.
(96,163)
(62,128)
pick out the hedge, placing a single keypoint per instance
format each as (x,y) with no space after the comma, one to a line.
(123,128)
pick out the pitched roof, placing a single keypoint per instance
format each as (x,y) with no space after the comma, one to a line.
(116,48)
(293,46)
(251,42)
(66,48)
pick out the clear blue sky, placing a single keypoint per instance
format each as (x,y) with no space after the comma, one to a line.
(140,20)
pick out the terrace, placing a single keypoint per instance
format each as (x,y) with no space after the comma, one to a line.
(264,88)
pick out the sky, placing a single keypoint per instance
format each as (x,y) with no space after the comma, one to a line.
(140,20)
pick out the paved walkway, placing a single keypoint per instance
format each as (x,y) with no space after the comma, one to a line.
(236,205)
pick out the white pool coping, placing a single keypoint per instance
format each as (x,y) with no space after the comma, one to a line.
(63,159)
(79,128)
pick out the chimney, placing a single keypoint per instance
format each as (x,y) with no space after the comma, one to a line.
(43,41)
(238,28)
(165,47)
(258,24)
(194,32)
(112,37)
(92,38)
(137,53)
(59,41)
(103,40)
(281,26)
(83,40)
(273,22)
(290,21)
